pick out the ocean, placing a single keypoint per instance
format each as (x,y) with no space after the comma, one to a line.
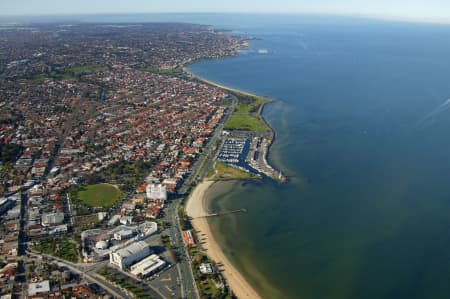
(362,120)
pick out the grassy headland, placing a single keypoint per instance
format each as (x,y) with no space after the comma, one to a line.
(221,171)
(247,116)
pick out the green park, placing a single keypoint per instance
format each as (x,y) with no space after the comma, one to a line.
(99,195)
(247,116)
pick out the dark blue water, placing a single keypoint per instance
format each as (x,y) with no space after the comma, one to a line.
(363,128)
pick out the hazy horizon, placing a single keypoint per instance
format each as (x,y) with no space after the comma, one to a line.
(80,17)
(434,11)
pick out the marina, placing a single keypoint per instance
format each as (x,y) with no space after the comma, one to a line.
(249,154)
(233,150)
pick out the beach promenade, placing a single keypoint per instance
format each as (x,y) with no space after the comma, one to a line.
(197,209)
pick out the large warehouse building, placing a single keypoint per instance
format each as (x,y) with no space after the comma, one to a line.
(128,255)
(148,266)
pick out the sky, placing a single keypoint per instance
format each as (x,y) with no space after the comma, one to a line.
(421,10)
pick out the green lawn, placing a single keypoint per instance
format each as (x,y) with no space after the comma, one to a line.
(211,172)
(169,72)
(247,116)
(100,195)
(249,104)
(223,171)
(245,123)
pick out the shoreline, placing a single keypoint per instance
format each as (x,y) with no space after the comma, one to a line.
(281,177)
(196,208)
(224,87)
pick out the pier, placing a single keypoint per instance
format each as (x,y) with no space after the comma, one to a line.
(257,158)
(226,213)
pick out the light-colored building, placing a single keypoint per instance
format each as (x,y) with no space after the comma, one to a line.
(114,220)
(60,229)
(124,234)
(156,191)
(125,220)
(148,266)
(206,268)
(101,245)
(147,228)
(39,287)
(128,255)
(101,215)
(52,218)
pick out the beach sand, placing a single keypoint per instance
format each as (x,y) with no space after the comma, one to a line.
(197,205)
(197,209)
(185,69)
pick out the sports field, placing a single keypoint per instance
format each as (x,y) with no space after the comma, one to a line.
(100,195)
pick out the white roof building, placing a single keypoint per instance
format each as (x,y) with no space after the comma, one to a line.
(39,287)
(52,218)
(128,255)
(126,220)
(156,191)
(101,245)
(148,266)
(206,268)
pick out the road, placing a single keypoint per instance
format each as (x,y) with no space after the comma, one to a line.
(205,161)
(82,271)
(199,170)
(188,286)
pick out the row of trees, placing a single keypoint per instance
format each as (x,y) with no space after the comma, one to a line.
(10,152)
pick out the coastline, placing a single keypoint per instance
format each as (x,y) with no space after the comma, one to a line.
(224,87)
(280,177)
(196,208)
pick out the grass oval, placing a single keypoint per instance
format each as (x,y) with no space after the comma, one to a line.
(100,195)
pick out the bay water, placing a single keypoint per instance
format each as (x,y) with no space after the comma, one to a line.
(362,122)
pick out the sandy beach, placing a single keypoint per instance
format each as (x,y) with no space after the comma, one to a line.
(185,69)
(197,209)
(196,205)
